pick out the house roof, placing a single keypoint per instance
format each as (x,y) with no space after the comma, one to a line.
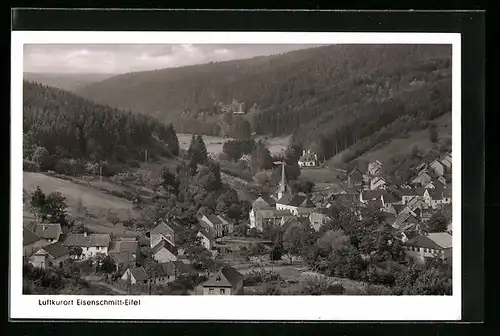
(124,257)
(164,244)
(443,239)
(94,239)
(118,246)
(206,232)
(56,250)
(438,240)
(226,277)
(389,198)
(268,199)
(47,231)
(29,237)
(214,219)
(303,222)
(166,228)
(371,194)
(376,203)
(139,273)
(401,219)
(296,201)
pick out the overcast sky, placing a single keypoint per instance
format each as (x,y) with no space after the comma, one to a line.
(81,58)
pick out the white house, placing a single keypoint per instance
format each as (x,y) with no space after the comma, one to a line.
(378,183)
(166,231)
(308,159)
(164,252)
(294,203)
(91,245)
(207,235)
(50,256)
(438,244)
(375,168)
(437,167)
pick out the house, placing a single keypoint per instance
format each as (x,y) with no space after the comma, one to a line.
(318,218)
(438,244)
(421,168)
(85,246)
(50,233)
(446,161)
(167,231)
(207,235)
(404,219)
(31,242)
(300,222)
(227,281)
(294,203)
(423,179)
(354,178)
(263,202)
(162,273)
(271,218)
(378,183)
(308,159)
(124,252)
(438,167)
(222,225)
(375,168)
(50,256)
(370,195)
(164,251)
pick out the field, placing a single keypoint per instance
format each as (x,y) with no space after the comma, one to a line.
(214,144)
(403,145)
(95,201)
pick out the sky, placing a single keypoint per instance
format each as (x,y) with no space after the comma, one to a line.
(122,58)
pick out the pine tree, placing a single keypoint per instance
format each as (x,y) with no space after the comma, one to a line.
(202,149)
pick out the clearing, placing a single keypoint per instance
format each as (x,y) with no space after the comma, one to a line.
(400,146)
(96,202)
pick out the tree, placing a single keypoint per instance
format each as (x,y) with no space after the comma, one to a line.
(169,181)
(234,211)
(233,149)
(437,223)
(49,208)
(197,151)
(292,241)
(112,217)
(332,241)
(261,158)
(276,252)
(304,186)
(433,133)
(42,158)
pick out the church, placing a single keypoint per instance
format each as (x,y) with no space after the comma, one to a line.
(276,209)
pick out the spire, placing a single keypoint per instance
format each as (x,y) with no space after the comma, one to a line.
(282,186)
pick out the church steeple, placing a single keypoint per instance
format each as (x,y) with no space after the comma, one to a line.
(282,188)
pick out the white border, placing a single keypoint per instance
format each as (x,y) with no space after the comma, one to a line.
(352,308)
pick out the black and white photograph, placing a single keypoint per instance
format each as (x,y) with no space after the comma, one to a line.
(293,167)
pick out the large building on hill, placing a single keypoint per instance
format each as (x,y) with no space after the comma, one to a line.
(308,159)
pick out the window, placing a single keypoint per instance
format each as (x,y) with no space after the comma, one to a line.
(223,291)
(210,291)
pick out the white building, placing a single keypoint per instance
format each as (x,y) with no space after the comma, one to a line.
(308,159)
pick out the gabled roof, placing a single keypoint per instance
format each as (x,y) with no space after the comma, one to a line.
(56,250)
(226,277)
(213,219)
(401,219)
(268,199)
(165,228)
(91,240)
(438,240)
(47,231)
(164,244)
(128,245)
(139,273)
(29,237)
(296,201)
(302,222)
(369,195)
(207,232)
(123,257)
(388,198)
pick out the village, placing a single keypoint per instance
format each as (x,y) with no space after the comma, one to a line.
(159,258)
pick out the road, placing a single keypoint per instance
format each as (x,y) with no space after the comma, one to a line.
(97,281)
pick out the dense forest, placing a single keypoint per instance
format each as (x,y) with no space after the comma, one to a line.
(68,82)
(60,129)
(328,97)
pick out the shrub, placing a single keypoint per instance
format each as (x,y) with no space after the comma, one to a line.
(30,166)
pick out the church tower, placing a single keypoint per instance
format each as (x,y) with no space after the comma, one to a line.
(283,187)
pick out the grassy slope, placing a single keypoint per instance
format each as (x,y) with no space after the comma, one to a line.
(403,145)
(96,202)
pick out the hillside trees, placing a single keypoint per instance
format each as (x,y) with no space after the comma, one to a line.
(58,125)
(197,151)
(49,208)
(261,158)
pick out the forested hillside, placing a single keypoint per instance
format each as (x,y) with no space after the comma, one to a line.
(329,97)
(62,129)
(69,82)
